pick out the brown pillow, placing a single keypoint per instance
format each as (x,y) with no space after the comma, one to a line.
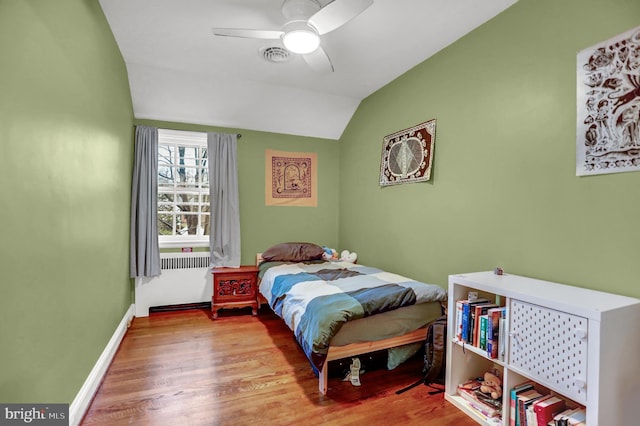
(293,252)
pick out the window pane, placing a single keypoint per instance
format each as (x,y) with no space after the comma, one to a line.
(165,224)
(193,224)
(183,189)
(165,197)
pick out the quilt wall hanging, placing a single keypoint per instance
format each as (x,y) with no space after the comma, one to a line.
(291,178)
(608,100)
(407,155)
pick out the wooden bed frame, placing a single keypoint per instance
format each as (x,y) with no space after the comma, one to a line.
(338,352)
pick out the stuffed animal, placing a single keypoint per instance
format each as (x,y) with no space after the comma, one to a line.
(492,384)
(330,255)
(346,256)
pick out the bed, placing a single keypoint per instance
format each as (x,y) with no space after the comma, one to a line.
(339,309)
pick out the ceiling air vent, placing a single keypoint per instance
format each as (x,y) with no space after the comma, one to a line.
(275,54)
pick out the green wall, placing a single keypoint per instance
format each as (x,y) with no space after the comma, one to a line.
(503,190)
(263,226)
(66,131)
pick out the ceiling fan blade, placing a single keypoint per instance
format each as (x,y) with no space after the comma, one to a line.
(318,60)
(337,13)
(244,33)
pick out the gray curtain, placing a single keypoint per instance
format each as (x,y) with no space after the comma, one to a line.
(145,252)
(224,232)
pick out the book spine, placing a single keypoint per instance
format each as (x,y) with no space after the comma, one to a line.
(530,421)
(544,414)
(482,338)
(514,399)
(465,322)
(523,406)
(459,305)
(489,336)
(521,417)
(473,331)
(504,332)
(512,408)
(493,333)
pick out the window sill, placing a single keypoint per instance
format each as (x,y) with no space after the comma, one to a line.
(183,243)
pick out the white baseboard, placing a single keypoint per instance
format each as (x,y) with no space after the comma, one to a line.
(83,399)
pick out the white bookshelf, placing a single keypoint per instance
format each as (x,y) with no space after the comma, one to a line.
(581,344)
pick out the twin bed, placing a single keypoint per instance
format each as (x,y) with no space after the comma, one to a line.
(339,309)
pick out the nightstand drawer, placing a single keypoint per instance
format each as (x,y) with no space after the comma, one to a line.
(234,287)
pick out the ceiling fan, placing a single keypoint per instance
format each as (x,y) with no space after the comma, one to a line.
(306,21)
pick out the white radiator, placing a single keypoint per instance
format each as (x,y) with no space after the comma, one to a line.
(185,278)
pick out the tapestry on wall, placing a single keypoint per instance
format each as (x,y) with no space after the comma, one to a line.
(608,131)
(407,155)
(291,178)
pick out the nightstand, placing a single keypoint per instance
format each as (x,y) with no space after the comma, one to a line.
(235,288)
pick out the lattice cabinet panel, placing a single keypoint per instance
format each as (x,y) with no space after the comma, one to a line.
(551,346)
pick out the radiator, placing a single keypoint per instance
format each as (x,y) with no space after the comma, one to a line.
(185,278)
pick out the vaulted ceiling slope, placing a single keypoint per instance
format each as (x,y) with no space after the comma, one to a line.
(180,71)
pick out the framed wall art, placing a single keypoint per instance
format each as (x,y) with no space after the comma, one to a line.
(407,155)
(291,178)
(608,101)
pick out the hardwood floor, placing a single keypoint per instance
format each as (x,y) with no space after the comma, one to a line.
(182,368)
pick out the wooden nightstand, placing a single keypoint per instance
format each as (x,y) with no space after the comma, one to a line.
(235,288)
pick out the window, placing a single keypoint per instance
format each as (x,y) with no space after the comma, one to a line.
(183,189)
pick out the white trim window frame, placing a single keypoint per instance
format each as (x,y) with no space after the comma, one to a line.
(183,189)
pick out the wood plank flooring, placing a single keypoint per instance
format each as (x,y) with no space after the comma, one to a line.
(182,368)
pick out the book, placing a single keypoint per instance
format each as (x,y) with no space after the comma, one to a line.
(464,321)
(458,328)
(515,391)
(478,311)
(493,331)
(504,332)
(482,333)
(523,400)
(466,317)
(547,408)
(576,417)
(529,416)
(531,419)
(483,403)
(560,419)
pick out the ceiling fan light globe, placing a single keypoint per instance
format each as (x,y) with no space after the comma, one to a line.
(301,41)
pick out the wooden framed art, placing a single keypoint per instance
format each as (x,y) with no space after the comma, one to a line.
(407,155)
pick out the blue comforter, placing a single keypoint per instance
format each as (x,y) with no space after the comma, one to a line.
(316,299)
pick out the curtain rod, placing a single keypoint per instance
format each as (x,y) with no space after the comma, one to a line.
(238,135)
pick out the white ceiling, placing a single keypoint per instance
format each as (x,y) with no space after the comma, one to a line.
(179,71)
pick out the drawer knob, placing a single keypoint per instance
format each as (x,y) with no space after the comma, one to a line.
(514,338)
(581,333)
(581,383)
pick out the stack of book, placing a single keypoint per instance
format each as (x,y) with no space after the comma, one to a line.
(483,324)
(479,401)
(532,407)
